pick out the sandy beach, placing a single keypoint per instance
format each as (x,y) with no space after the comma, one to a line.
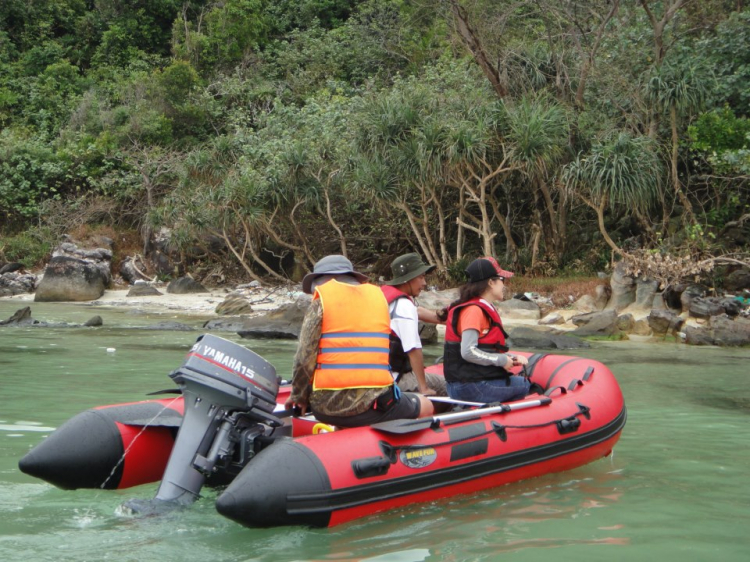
(198,304)
(263,299)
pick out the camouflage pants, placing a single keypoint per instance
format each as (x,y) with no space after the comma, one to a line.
(408,383)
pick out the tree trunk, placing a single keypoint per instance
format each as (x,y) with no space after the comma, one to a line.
(329,216)
(510,244)
(675,177)
(475,47)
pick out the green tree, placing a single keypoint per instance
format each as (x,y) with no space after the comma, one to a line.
(538,131)
(678,91)
(619,172)
(220,34)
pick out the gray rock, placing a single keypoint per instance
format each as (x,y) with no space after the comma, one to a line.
(721,330)
(623,289)
(284,322)
(586,304)
(524,337)
(21,317)
(144,290)
(162,263)
(641,328)
(705,307)
(227,324)
(428,333)
(10,267)
(235,304)
(518,309)
(690,293)
(601,298)
(184,286)
(70,279)
(664,321)
(552,319)
(645,291)
(101,258)
(94,321)
(437,300)
(625,323)
(602,323)
(169,326)
(737,280)
(659,303)
(17,283)
(130,271)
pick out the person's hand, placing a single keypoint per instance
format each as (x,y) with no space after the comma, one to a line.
(518,360)
(427,391)
(299,408)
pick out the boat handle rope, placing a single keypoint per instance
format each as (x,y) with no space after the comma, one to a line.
(564,425)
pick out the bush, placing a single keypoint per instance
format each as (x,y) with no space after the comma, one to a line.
(30,172)
(31,248)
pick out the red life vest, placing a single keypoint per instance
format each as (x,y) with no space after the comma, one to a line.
(455,367)
(353,351)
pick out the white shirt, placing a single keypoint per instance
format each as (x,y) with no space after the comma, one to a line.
(405,323)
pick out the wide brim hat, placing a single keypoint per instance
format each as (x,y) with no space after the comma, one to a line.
(486,268)
(407,267)
(331,265)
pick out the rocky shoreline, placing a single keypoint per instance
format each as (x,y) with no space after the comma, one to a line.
(254,311)
(623,307)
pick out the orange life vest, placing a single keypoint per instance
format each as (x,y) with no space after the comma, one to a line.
(354,342)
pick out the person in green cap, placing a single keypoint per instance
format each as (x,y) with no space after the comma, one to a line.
(405,357)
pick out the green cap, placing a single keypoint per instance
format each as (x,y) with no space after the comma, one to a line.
(407,267)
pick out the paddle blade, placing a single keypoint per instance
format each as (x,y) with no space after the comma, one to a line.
(399,427)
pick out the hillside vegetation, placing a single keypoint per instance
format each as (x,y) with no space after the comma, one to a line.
(252,137)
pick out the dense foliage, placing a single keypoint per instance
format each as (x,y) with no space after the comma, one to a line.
(553,134)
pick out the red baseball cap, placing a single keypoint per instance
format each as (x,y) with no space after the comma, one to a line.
(486,268)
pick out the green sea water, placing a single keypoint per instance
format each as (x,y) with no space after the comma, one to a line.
(677,487)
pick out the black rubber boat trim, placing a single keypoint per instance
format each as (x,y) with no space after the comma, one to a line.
(333,500)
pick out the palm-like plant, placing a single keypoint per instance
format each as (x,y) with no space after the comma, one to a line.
(620,171)
(678,91)
(538,132)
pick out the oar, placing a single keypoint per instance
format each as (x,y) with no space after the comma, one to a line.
(448,400)
(410,426)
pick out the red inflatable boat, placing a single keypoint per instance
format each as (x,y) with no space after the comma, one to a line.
(296,471)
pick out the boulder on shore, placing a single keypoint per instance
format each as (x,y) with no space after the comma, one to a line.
(184,286)
(602,323)
(284,322)
(520,309)
(70,279)
(17,283)
(524,337)
(663,321)
(721,330)
(623,288)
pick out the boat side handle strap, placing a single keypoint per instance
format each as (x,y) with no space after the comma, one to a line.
(588,373)
(575,383)
(549,391)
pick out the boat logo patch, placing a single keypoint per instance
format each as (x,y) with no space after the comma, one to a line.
(418,458)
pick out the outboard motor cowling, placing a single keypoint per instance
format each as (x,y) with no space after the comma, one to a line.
(230,395)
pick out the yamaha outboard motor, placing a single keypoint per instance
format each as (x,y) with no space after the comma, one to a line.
(230,395)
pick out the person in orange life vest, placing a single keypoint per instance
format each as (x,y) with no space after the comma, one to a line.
(340,369)
(406,360)
(475,354)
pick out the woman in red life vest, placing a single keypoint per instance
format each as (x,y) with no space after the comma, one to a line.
(476,355)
